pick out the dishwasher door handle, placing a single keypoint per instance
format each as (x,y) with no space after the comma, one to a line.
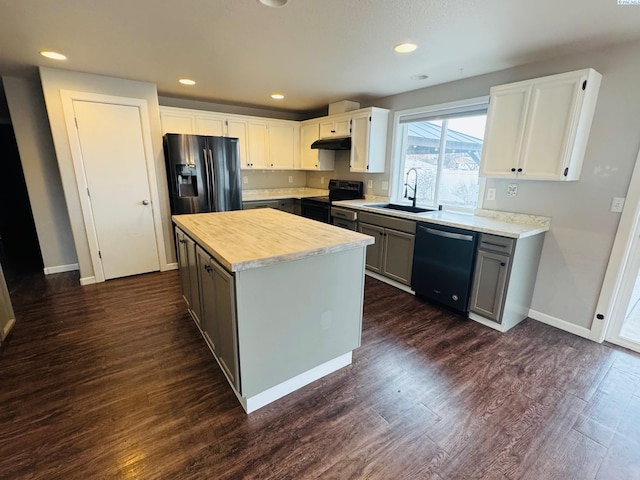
(441,233)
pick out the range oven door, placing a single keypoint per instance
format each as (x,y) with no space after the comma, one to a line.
(315,209)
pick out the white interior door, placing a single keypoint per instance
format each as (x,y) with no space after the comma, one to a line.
(113,159)
(617,316)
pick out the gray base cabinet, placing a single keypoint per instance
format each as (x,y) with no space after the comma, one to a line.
(289,205)
(209,292)
(219,325)
(187,265)
(392,253)
(504,279)
(269,332)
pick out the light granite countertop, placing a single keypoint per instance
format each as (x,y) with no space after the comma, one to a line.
(244,239)
(282,193)
(506,224)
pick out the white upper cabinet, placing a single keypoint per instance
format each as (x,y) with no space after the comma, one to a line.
(538,129)
(257,145)
(310,158)
(368,140)
(175,120)
(284,144)
(335,126)
(264,143)
(211,125)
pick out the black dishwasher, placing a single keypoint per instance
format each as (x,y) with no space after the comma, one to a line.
(443,262)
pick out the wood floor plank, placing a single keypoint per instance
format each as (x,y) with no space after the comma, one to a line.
(114,381)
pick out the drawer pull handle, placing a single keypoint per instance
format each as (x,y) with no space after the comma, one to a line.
(495,244)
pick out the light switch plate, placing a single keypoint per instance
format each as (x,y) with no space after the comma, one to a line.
(385,185)
(491,194)
(617,204)
(370,184)
(512,190)
(322,180)
(290,179)
(245,180)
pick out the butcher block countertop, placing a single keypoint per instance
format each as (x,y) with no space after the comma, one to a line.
(245,239)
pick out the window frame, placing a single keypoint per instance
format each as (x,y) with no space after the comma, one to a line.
(397,163)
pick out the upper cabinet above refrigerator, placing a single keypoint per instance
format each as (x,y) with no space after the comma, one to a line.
(538,129)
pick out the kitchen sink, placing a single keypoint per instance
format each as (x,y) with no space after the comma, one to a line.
(402,208)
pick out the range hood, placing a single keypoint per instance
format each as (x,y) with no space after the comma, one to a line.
(332,144)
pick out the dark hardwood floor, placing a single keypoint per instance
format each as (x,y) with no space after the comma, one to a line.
(114,381)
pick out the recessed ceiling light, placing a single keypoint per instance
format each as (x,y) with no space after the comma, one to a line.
(273,3)
(53,55)
(420,76)
(405,47)
(187,81)
(277,96)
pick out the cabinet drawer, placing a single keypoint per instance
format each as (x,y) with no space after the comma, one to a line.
(400,224)
(496,243)
(344,213)
(258,204)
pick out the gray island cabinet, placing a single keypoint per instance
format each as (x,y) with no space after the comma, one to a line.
(279,297)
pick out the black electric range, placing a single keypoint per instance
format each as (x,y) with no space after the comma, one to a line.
(319,208)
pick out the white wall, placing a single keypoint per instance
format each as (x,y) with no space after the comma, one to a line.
(577,248)
(54,80)
(40,167)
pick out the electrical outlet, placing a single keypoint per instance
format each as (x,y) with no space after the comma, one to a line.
(322,180)
(290,179)
(245,180)
(512,190)
(370,184)
(491,194)
(385,185)
(617,204)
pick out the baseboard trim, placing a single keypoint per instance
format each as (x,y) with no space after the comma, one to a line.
(61,268)
(251,404)
(87,280)
(7,328)
(171,266)
(389,281)
(561,324)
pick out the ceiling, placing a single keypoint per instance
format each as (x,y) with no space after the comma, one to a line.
(313,51)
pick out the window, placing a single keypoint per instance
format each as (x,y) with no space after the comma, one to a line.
(438,157)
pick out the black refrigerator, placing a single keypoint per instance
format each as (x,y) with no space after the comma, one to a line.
(203,173)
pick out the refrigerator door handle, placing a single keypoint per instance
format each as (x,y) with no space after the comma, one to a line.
(208,177)
(214,206)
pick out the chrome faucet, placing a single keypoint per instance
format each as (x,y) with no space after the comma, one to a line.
(413,189)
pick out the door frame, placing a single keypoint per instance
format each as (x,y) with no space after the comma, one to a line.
(67,98)
(626,238)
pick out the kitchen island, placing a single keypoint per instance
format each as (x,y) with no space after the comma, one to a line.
(277,297)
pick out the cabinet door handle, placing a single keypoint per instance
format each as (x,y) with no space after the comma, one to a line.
(513,169)
(519,170)
(502,264)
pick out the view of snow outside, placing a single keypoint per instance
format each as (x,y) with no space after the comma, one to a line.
(458,185)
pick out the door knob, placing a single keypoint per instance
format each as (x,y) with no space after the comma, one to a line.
(145,202)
